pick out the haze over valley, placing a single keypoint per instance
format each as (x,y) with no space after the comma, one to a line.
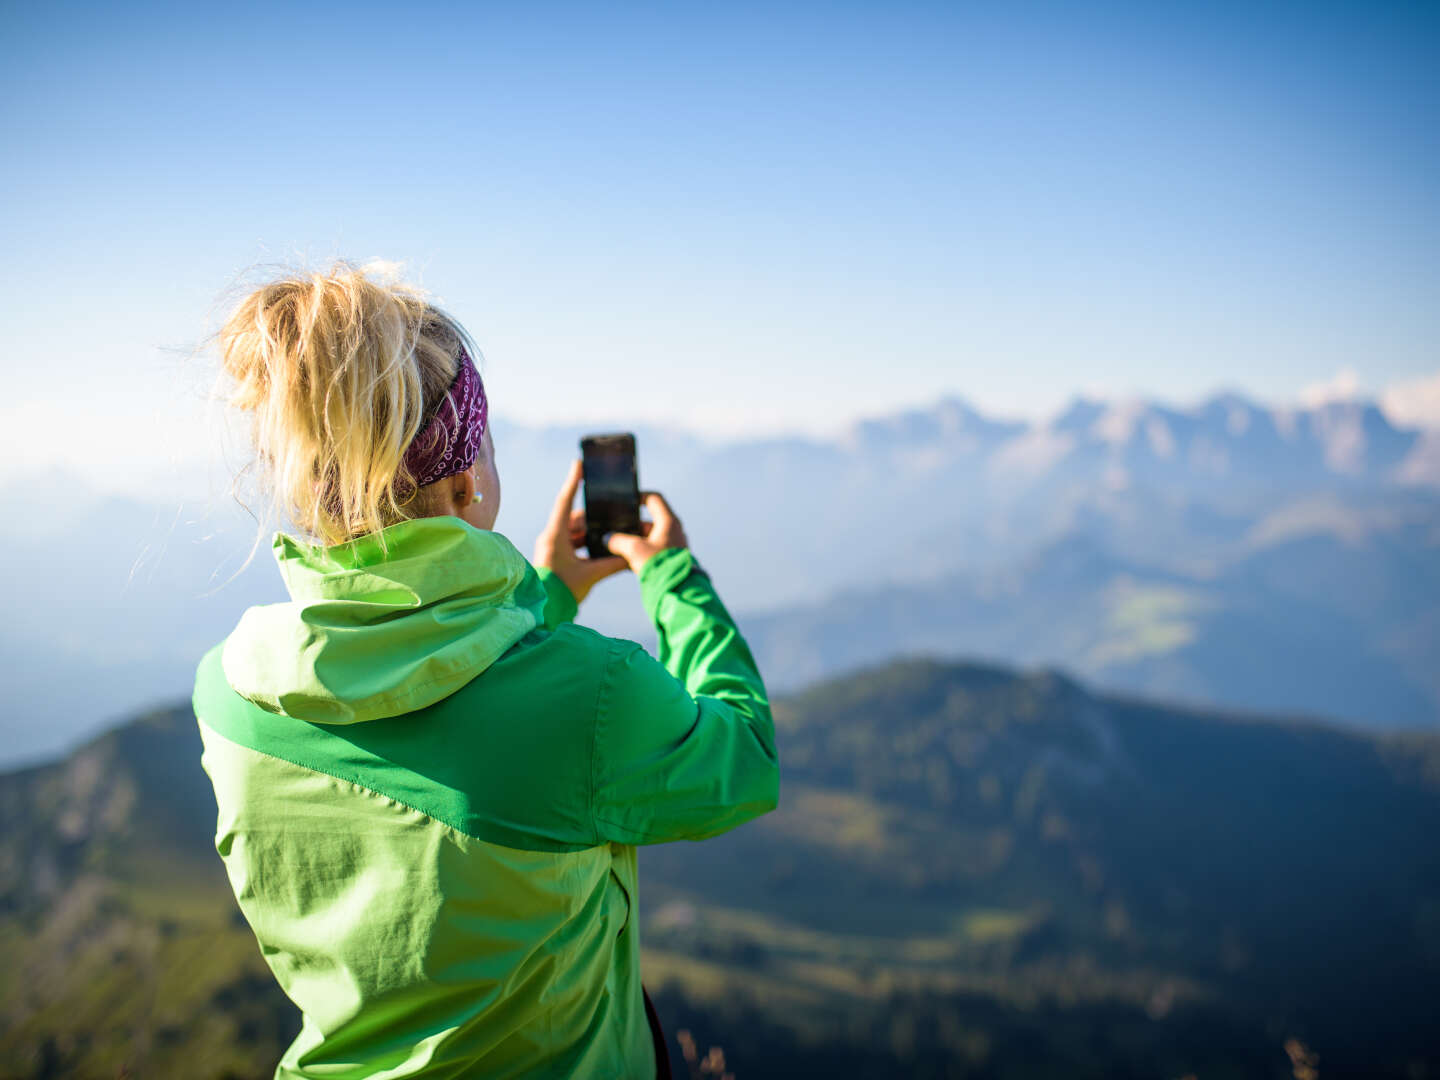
(1230,553)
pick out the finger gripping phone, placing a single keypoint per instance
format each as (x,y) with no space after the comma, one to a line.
(612,489)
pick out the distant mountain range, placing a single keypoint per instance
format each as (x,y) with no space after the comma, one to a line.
(1321,606)
(1258,557)
(973,872)
(931,491)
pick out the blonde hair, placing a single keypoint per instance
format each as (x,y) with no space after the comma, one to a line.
(340,372)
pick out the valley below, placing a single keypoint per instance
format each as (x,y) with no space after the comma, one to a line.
(974,871)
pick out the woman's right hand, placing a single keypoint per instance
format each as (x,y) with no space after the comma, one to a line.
(663,531)
(558,545)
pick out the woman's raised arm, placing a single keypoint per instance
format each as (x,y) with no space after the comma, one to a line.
(685,746)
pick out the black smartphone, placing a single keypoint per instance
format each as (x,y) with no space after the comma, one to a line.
(612,489)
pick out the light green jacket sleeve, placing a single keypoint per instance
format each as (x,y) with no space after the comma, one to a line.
(684,747)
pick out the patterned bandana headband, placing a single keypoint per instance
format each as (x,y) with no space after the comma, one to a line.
(450,442)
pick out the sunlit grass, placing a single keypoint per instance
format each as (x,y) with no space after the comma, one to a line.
(1145,620)
(990,926)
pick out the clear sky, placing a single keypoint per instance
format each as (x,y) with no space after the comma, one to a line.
(731,217)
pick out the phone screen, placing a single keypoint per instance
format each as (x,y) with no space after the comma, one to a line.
(612,488)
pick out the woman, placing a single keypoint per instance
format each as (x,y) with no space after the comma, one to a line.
(431,782)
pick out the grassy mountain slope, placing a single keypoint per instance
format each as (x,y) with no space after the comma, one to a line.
(973,872)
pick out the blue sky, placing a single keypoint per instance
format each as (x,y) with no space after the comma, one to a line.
(733,218)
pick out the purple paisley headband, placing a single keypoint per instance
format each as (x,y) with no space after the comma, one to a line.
(450,442)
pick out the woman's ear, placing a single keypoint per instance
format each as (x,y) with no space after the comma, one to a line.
(463,491)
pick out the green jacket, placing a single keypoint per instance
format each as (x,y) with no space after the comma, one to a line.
(430,786)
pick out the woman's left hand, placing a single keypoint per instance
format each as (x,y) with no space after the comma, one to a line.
(557,545)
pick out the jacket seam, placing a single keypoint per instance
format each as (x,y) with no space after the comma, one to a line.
(602,709)
(662,838)
(653,838)
(352,782)
(366,789)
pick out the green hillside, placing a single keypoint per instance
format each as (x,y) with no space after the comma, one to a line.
(1014,845)
(973,873)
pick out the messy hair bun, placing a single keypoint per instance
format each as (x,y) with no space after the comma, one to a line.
(340,372)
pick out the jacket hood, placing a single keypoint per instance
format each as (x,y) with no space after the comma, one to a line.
(370,633)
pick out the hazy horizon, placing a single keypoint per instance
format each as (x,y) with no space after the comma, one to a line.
(196,456)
